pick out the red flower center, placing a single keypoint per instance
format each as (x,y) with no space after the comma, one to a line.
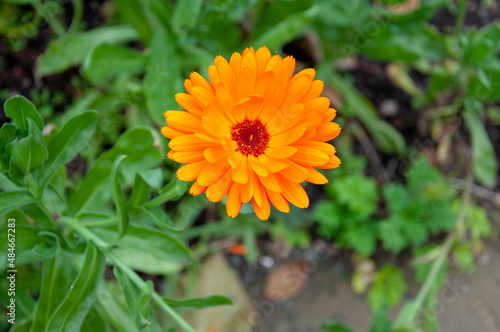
(252,137)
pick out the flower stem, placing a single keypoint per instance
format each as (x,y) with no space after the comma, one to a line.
(406,317)
(462,10)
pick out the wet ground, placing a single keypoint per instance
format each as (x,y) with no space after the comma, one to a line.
(468,302)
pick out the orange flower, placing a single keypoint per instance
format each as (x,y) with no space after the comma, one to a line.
(253,133)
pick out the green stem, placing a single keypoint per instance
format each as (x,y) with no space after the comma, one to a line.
(104,247)
(462,10)
(49,16)
(77,16)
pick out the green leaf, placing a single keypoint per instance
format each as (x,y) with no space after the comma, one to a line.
(186,13)
(171,192)
(387,289)
(67,143)
(34,130)
(162,78)
(72,50)
(119,197)
(138,144)
(56,277)
(161,219)
(484,162)
(7,185)
(464,257)
(133,298)
(133,12)
(159,244)
(28,154)
(358,192)
(145,262)
(14,200)
(110,307)
(20,109)
(71,312)
(140,192)
(380,321)
(198,303)
(109,60)
(335,327)
(287,30)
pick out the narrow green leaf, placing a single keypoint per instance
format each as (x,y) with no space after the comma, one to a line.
(198,303)
(70,51)
(161,219)
(19,109)
(286,30)
(119,197)
(171,192)
(186,13)
(161,81)
(71,312)
(28,154)
(109,60)
(140,192)
(159,244)
(67,143)
(133,12)
(56,277)
(14,200)
(112,310)
(138,144)
(484,162)
(7,185)
(133,298)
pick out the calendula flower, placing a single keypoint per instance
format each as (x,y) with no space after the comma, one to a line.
(255,132)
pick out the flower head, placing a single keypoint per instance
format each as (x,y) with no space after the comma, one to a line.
(255,132)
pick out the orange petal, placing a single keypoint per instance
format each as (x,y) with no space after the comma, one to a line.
(294,193)
(187,156)
(184,121)
(262,56)
(309,156)
(257,166)
(196,189)
(189,143)
(215,154)
(273,165)
(270,182)
(203,96)
(262,211)
(199,80)
(212,172)
(327,131)
(288,137)
(316,177)
(294,173)
(170,132)
(278,201)
(189,103)
(235,63)
(219,189)
(190,172)
(241,172)
(280,153)
(234,203)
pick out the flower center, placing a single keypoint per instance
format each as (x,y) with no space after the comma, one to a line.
(252,137)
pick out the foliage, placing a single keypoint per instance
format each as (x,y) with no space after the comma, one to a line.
(87,222)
